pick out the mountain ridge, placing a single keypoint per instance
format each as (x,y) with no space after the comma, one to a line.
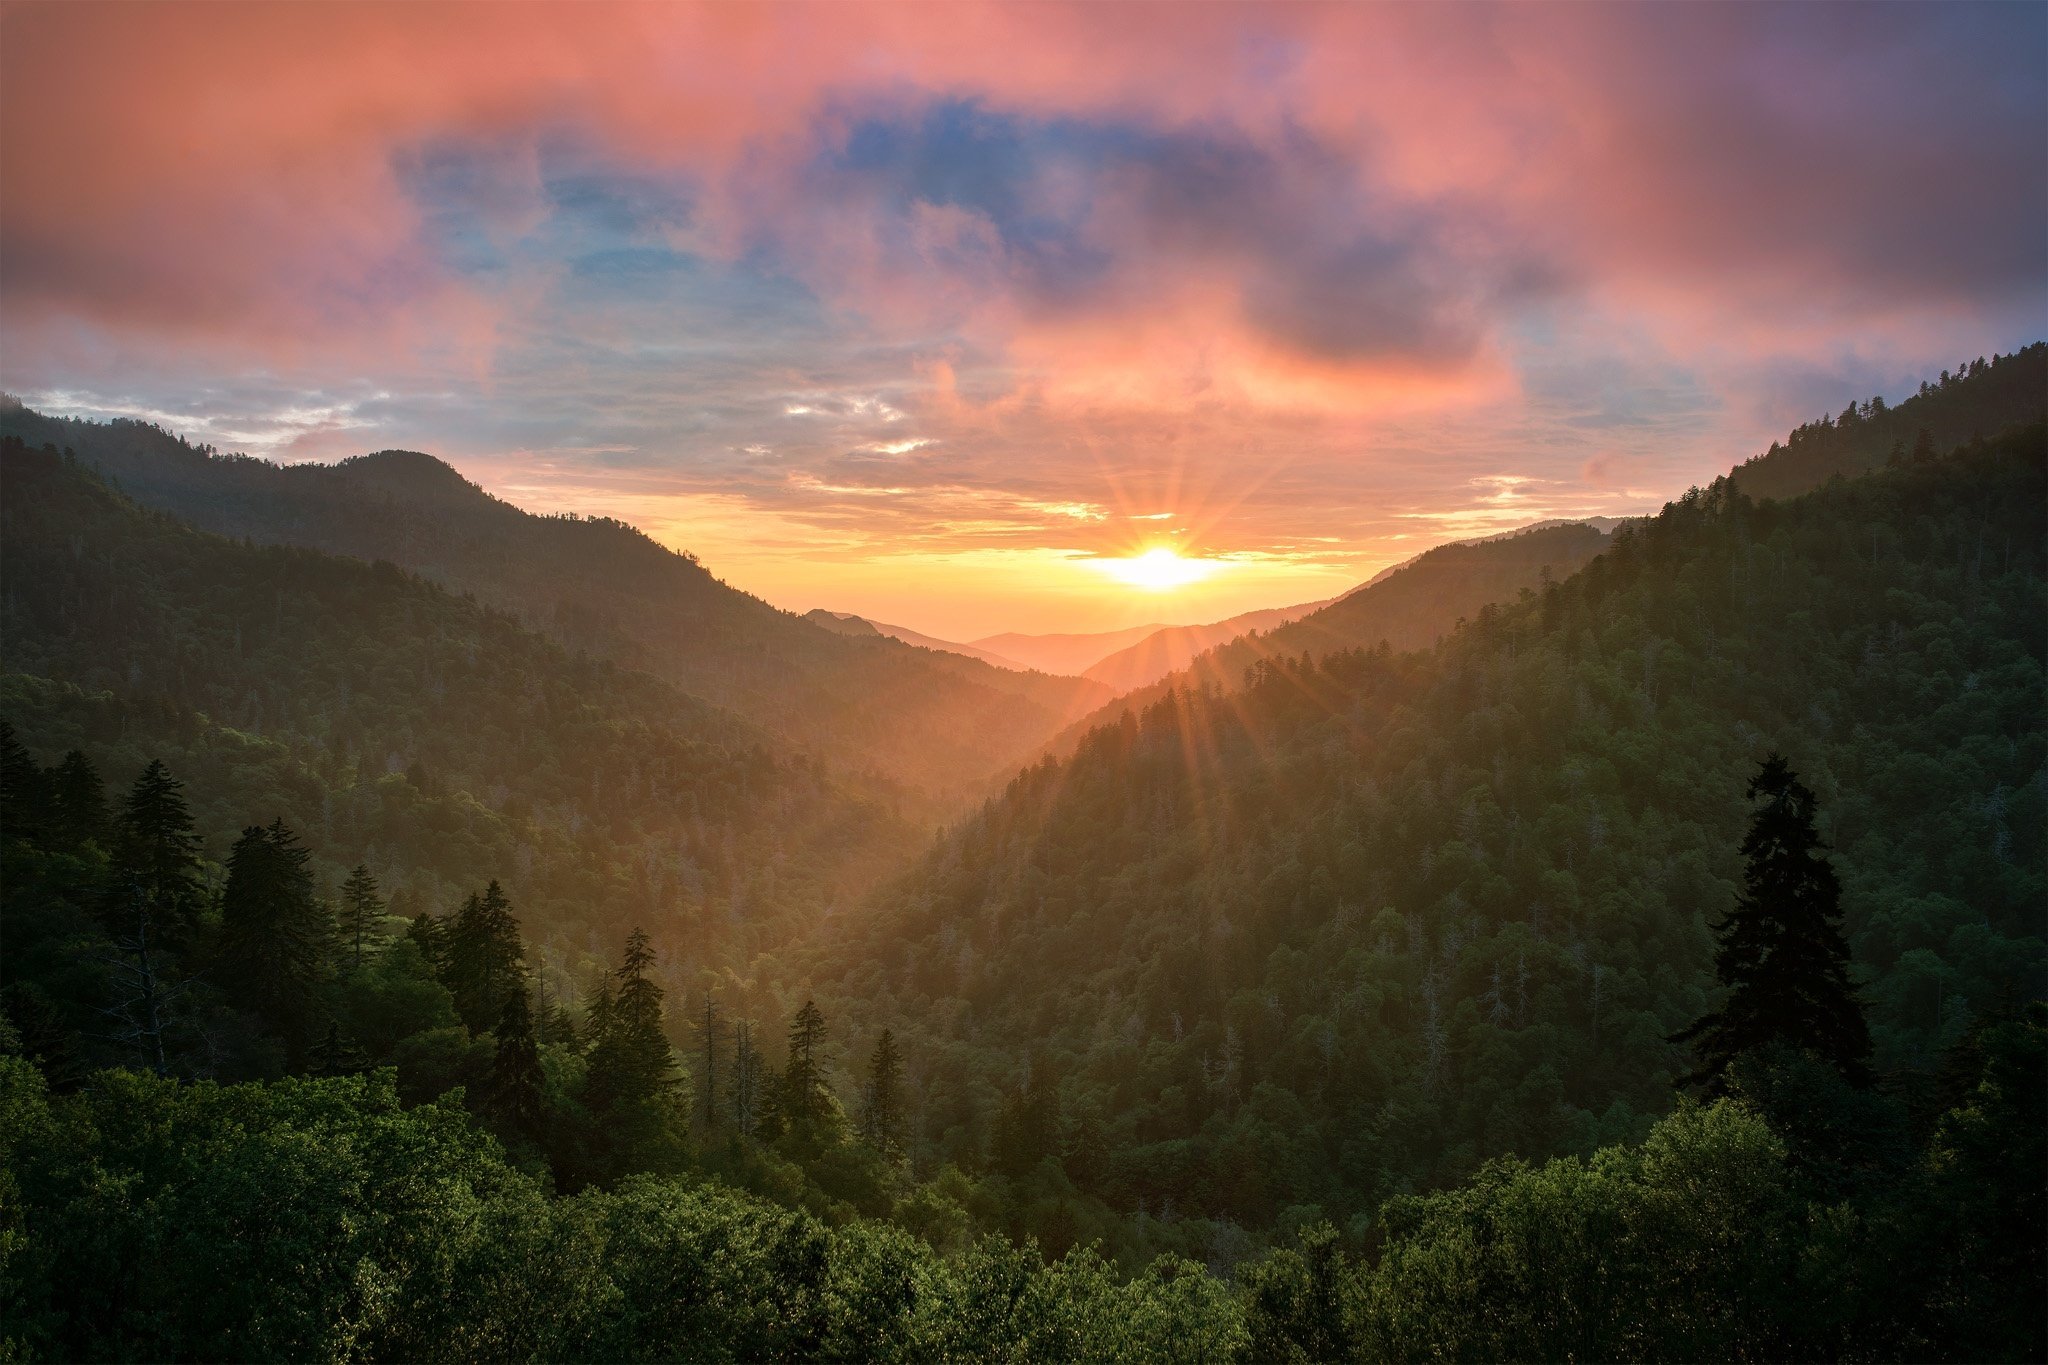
(937,725)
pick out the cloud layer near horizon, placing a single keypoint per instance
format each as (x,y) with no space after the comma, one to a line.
(842,296)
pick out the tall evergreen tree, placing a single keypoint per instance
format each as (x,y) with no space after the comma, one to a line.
(362,914)
(1782,954)
(881,1117)
(482,958)
(743,1093)
(78,802)
(336,1055)
(430,933)
(1027,1126)
(275,934)
(806,1100)
(710,1034)
(24,798)
(631,1062)
(517,1088)
(156,861)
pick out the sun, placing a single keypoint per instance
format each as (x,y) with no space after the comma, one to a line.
(1158,570)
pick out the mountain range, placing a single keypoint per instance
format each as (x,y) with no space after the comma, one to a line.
(935,724)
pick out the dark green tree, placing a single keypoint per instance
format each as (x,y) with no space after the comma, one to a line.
(43,1034)
(275,934)
(24,796)
(805,1099)
(483,958)
(78,802)
(743,1093)
(1027,1126)
(517,1088)
(156,861)
(430,933)
(362,913)
(881,1109)
(710,1035)
(1782,957)
(631,1062)
(336,1055)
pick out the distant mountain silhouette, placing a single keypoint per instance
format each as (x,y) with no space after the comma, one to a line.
(1174,647)
(846,623)
(1408,606)
(937,724)
(1071,653)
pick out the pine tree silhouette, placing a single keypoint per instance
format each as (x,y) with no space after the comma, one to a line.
(806,1101)
(362,913)
(275,936)
(630,1060)
(156,849)
(336,1055)
(881,1116)
(78,802)
(24,790)
(481,958)
(516,1086)
(1782,954)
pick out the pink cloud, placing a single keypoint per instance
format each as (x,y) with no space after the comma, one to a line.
(228,169)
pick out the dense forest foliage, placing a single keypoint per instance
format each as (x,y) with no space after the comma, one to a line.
(1978,399)
(516,1180)
(939,725)
(1375,918)
(1650,967)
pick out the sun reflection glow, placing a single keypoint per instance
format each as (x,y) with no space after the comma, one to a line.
(1158,569)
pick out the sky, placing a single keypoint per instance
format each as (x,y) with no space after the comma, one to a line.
(943,313)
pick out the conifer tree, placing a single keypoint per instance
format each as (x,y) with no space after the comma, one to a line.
(23,790)
(78,802)
(1027,1126)
(362,913)
(482,956)
(552,1023)
(806,1101)
(336,1055)
(597,1014)
(710,1034)
(517,1087)
(1782,954)
(275,935)
(156,861)
(744,1091)
(881,1117)
(631,1062)
(431,935)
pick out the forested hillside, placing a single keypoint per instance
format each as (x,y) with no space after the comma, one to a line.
(1979,398)
(940,725)
(428,736)
(1376,917)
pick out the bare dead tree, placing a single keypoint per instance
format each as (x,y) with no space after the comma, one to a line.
(144,1001)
